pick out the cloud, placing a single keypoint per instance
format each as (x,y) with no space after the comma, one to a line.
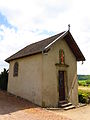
(28,14)
(33,20)
(15,40)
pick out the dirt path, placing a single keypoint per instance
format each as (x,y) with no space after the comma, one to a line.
(84,88)
(81,113)
(13,108)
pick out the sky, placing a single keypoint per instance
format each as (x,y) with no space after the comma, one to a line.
(23,22)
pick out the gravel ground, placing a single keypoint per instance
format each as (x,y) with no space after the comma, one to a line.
(81,113)
(14,108)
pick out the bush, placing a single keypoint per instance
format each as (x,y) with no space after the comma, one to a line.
(84,82)
(88,82)
(84,96)
(4,79)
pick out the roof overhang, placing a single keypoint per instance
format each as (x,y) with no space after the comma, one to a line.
(71,43)
(74,47)
(45,45)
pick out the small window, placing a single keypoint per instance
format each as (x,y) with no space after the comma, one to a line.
(15,69)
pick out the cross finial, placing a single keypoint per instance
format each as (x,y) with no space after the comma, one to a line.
(68,27)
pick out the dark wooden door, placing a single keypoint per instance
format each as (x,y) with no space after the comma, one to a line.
(61,86)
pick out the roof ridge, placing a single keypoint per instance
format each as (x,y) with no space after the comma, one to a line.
(32,44)
(45,38)
(60,36)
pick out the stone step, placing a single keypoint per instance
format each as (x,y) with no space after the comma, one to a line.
(69,107)
(63,102)
(66,105)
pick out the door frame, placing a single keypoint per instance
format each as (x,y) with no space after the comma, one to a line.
(63,87)
(63,68)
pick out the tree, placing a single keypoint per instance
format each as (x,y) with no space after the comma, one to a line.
(4,79)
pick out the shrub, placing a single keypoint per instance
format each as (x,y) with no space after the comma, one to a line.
(84,82)
(88,82)
(4,79)
(84,96)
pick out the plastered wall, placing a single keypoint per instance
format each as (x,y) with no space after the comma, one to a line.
(28,82)
(37,78)
(50,75)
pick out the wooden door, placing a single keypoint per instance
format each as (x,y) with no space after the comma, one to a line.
(61,86)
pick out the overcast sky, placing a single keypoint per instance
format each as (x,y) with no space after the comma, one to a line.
(25,21)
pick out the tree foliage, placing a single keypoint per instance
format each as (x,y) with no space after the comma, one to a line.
(4,79)
(83,77)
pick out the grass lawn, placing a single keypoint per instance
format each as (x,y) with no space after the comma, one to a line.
(84,82)
(84,88)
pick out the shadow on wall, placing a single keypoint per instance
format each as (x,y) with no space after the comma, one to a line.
(10,103)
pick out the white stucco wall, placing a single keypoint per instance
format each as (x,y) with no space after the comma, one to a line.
(50,75)
(37,78)
(28,82)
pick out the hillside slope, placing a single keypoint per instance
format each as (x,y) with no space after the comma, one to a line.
(83,77)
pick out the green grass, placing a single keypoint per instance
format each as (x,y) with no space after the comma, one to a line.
(84,82)
(84,88)
(84,96)
(84,91)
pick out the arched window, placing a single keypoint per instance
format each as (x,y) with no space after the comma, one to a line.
(61,56)
(15,69)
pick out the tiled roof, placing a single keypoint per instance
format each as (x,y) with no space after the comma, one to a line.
(38,47)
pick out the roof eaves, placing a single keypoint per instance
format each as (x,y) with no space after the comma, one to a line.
(8,60)
(79,56)
(81,59)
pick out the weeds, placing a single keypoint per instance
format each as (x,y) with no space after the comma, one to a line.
(84,96)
